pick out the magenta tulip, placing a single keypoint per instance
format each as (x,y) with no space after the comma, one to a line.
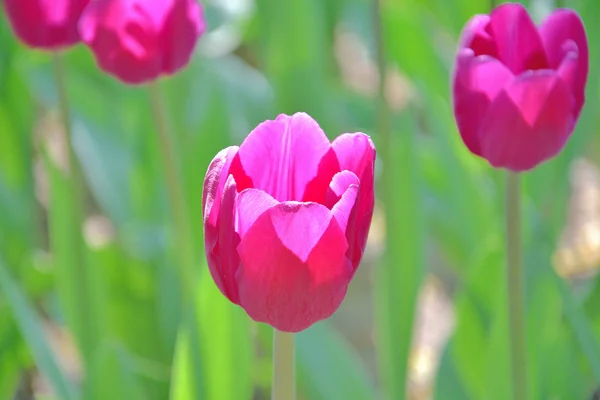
(138,40)
(44,24)
(518,89)
(286,219)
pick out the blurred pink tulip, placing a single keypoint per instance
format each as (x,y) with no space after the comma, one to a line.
(518,90)
(138,40)
(45,24)
(286,219)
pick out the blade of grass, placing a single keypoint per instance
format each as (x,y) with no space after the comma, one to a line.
(398,279)
(214,352)
(32,330)
(299,77)
(581,328)
(329,368)
(111,376)
(225,343)
(182,235)
(187,379)
(66,225)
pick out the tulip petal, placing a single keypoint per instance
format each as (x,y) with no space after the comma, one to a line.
(214,182)
(476,36)
(559,31)
(299,226)
(251,203)
(341,198)
(282,156)
(179,38)
(356,153)
(528,122)
(122,38)
(137,41)
(223,260)
(569,67)
(293,269)
(316,189)
(518,42)
(338,186)
(220,238)
(477,81)
(48,25)
(345,212)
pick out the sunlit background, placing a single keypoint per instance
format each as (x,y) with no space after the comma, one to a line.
(258,59)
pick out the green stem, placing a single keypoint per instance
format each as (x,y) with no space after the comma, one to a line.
(175,193)
(77,196)
(284,375)
(515,285)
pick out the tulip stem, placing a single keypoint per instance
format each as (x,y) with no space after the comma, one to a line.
(284,375)
(80,279)
(175,193)
(516,290)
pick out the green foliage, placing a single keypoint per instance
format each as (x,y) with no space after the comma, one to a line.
(127,315)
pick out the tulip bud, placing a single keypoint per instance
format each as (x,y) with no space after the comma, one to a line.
(518,89)
(138,40)
(286,218)
(44,24)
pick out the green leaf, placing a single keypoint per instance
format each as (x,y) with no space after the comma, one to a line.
(132,310)
(328,368)
(103,160)
(111,377)
(74,279)
(216,342)
(460,190)
(469,347)
(187,380)
(555,362)
(33,332)
(448,385)
(18,209)
(476,346)
(498,381)
(586,338)
(412,44)
(398,279)
(226,343)
(295,55)
(13,349)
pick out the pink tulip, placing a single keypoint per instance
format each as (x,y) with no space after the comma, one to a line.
(138,40)
(518,89)
(286,218)
(45,24)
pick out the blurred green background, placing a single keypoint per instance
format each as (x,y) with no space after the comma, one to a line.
(431,309)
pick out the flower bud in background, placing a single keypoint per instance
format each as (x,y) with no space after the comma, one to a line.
(45,24)
(138,40)
(286,219)
(518,89)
